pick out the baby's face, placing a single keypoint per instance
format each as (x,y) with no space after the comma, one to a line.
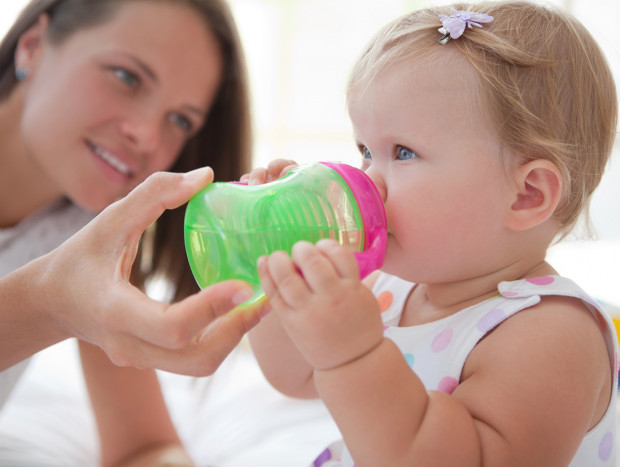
(427,145)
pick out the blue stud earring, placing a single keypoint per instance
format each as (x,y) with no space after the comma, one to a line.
(21,74)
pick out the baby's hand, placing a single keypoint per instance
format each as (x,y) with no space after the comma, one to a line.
(329,314)
(276,169)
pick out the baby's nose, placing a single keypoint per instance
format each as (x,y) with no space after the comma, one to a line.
(378,181)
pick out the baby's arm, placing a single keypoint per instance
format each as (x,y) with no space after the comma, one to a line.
(280,361)
(528,393)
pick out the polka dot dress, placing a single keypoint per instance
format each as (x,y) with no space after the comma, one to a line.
(437,351)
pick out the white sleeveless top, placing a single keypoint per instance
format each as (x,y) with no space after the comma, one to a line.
(35,236)
(437,351)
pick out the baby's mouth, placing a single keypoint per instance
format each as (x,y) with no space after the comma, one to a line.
(111,159)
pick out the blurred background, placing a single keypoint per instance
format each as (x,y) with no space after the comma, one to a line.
(299,55)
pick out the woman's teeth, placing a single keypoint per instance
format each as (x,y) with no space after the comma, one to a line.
(112,160)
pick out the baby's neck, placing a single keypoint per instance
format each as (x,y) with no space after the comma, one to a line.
(431,302)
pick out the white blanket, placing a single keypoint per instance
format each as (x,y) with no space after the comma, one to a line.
(232,419)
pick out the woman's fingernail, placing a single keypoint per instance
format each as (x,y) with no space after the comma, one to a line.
(197,174)
(242,296)
(265,310)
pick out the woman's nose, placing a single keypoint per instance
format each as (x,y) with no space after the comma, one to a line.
(143,130)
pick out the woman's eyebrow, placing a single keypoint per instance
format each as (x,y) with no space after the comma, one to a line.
(196,110)
(151,74)
(144,67)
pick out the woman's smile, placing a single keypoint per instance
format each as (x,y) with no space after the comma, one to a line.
(113,161)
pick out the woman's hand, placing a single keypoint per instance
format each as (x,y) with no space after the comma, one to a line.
(323,306)
(81,289)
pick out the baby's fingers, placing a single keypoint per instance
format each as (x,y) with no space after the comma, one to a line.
(341,258)
(257,176)
(276,169)
(325,265)
(283,285)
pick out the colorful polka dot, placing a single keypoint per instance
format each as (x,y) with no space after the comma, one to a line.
(323,457)
(409,358)
(509,293)
(544,280)
(442,340)
(490,320)
(447,385)
(385,300)
(605,447)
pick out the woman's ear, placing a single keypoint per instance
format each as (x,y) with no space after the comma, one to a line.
(29,44)
(538,191)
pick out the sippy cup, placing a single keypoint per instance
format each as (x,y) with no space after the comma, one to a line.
(228,226)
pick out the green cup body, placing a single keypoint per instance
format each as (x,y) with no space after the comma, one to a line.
(228,226)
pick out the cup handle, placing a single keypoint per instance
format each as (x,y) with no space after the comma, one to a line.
(372,258)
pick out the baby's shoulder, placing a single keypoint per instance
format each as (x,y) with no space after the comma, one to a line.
(558,338)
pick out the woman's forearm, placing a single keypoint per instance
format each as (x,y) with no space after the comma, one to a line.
(26,326)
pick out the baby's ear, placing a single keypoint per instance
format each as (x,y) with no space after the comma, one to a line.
(538,191)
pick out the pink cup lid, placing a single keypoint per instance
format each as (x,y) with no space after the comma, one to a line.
(373,216)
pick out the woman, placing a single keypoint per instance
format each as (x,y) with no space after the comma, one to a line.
(95,96)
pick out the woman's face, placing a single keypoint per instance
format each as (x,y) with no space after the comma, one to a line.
(117,102)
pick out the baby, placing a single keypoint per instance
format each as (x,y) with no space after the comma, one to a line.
(486,129)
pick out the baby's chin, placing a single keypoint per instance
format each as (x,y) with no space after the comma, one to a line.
(395,269)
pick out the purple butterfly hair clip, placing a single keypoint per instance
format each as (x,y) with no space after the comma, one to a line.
(455,24)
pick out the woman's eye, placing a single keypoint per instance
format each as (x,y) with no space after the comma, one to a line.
(182,122)
(127,77)
(404,154)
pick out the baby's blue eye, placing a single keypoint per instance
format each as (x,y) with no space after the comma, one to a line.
(182,122)
(404,154)
(366,153)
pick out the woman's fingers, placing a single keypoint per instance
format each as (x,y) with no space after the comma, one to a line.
(102,307)
(189,337)
(160,191)
(173,326)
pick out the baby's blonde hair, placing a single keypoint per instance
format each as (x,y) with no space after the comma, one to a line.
(543,81)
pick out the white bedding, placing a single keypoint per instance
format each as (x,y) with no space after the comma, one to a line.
(232,419)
